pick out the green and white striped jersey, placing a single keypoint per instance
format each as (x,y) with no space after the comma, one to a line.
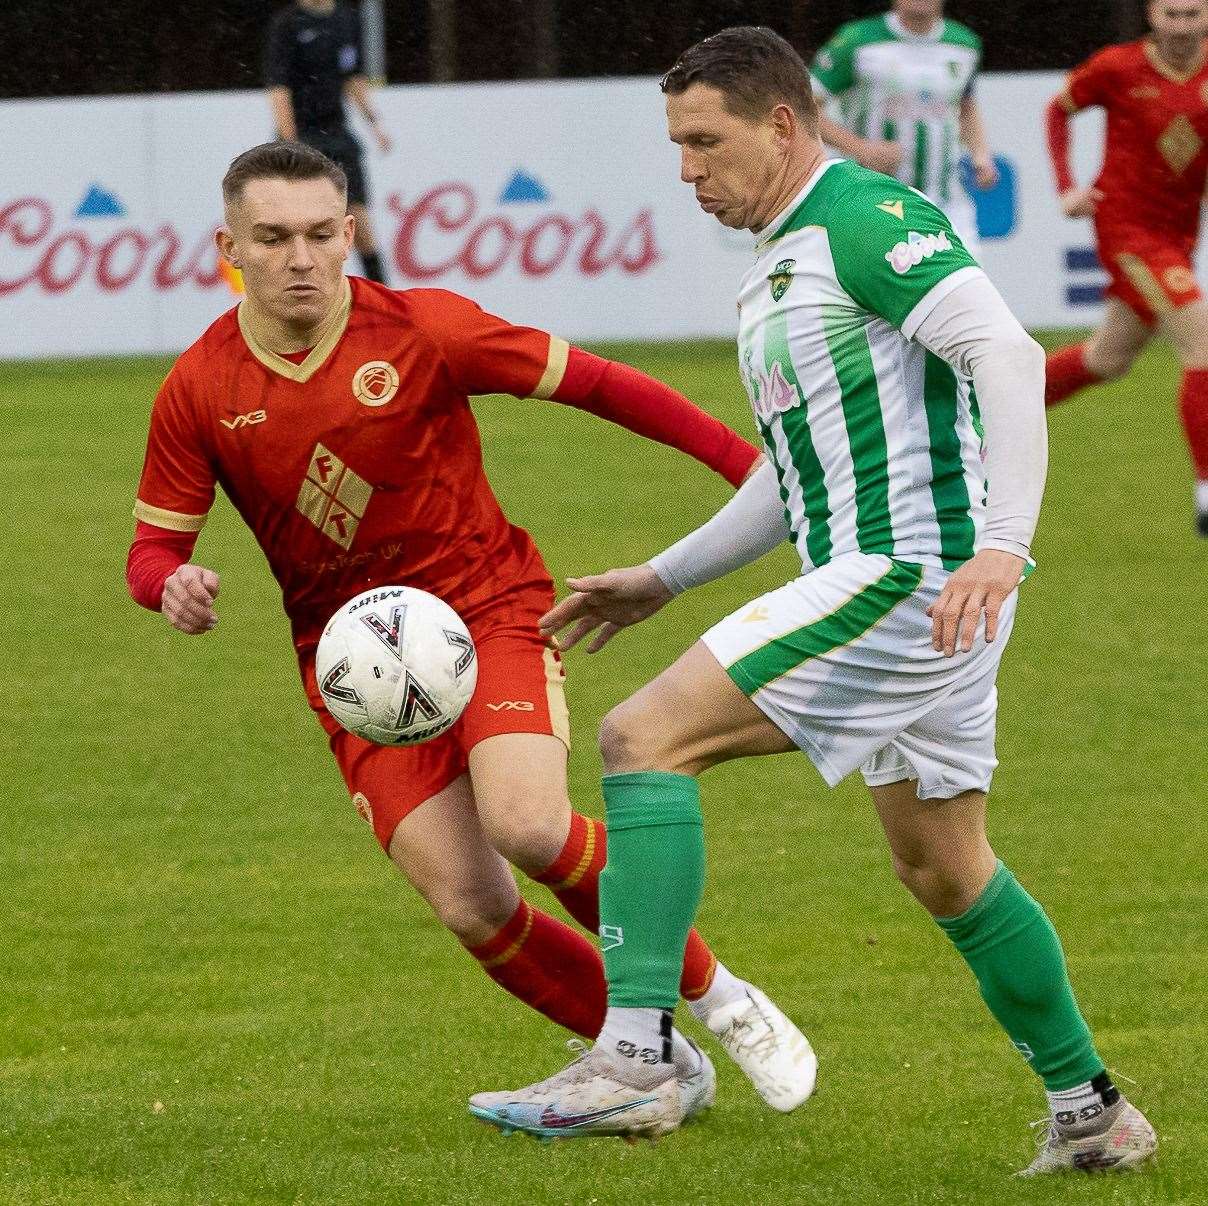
(906,88)
(875,440)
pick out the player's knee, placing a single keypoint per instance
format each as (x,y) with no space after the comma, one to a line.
(527,828)
(628,739)
(472,915)
(935,885)
(1108,363)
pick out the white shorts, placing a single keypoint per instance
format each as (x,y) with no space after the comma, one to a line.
(841,661)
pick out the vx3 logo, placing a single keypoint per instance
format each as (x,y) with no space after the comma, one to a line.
(247,420)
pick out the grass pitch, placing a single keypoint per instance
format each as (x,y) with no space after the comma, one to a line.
(215,989)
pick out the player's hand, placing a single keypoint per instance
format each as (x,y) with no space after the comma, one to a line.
(188,602)
(607,602)
(985,172)
(981,584)
(881,156)
(1080,202)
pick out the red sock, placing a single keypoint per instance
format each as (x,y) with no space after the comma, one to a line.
(549,967)
(1193,406)
(574,878)
(1066,373)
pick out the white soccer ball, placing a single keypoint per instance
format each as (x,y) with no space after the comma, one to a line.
(396,666)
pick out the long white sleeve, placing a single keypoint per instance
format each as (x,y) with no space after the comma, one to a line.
(751,524)
(975,332)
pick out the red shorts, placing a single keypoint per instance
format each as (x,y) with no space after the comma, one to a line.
(520,690)
(1150,273)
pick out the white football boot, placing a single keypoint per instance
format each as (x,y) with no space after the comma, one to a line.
(776,1057)
(593,1095)
(1123,1139)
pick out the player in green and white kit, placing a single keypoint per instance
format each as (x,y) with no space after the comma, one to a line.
(903,85)
(865,325)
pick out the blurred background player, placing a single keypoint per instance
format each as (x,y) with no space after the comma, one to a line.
(904,83)
(313,59)
(1145,206)
(347,486)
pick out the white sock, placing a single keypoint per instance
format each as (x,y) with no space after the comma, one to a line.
(636,1034)
(684,1056)
(1201,496)
(1076,1107)
(726,989)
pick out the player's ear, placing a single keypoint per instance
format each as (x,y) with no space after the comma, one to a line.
(784,125)
(225,242)
(350,229)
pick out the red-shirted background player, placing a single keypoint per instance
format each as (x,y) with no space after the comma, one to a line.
(1146,209)
(334,415)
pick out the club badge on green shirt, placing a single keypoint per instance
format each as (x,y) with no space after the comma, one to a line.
(781,277)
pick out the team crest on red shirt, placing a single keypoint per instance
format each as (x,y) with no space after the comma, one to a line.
(375,383)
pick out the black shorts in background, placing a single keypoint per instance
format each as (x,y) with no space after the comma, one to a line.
(342,147)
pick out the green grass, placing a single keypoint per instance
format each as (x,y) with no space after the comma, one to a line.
(214,988)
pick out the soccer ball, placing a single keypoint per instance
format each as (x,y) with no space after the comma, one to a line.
(396,666)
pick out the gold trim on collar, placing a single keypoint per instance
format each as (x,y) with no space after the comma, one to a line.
(1165,70)
(328,338)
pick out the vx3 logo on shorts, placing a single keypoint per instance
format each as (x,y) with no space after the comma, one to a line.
(513,705)
(611,936)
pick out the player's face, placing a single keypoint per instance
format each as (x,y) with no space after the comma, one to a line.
(919,10)
(290,238)
(731,161)
(1182,23)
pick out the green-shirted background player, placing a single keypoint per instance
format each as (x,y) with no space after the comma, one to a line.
(864,327)
(903,85)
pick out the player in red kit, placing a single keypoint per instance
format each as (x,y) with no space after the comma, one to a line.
(1146,208)
(334,415)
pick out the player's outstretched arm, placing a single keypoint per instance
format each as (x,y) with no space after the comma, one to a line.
(974,331)
(751,524)
(604,604)
(628,397)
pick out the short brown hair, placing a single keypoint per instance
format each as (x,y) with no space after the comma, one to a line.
(280,161)
(753,67)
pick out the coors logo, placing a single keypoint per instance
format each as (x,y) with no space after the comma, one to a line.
(446,230)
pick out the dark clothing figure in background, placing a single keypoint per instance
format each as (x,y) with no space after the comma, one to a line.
(313,60)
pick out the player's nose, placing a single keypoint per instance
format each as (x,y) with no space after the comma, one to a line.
(691,168)
(299,254)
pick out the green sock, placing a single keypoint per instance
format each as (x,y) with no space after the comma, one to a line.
(1015,953)
(651,885)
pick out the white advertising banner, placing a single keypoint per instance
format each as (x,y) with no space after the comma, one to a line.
(557,204)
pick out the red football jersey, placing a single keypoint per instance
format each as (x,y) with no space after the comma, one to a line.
(362,465)
(1156,157)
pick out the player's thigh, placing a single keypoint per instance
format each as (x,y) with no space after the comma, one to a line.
(516,732)
(939,847)
(1187,327)
(441,848)
(1118,340)
(520,790)
(691,717)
